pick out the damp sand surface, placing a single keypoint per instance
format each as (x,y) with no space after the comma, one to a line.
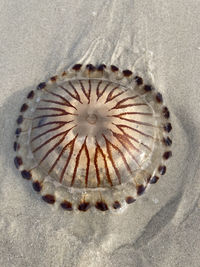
(39,38)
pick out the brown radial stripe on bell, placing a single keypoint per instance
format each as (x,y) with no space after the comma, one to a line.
(64,73)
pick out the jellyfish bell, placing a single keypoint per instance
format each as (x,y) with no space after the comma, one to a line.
(93,137)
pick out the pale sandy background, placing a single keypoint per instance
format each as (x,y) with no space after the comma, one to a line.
(37,38)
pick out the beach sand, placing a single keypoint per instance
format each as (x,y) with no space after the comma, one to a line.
(39,38)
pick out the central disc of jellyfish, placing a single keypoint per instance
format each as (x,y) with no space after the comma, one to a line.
(92,133)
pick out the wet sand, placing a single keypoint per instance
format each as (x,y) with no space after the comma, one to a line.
(161,38)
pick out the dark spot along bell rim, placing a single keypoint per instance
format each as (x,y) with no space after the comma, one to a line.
(50,199)
(30,94)
(130,200)
(20,119)
(101,67)
(16,146)
(139,81)
(100,205)
(82,119)
(77,67)
(26,174)
(114,68)
(127,73)
(154,179)
(24,107)
(84,206)
(18,162)
(116,205)
(37,186)
(41,86)
(167,155)
(90,67)
(66,205)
